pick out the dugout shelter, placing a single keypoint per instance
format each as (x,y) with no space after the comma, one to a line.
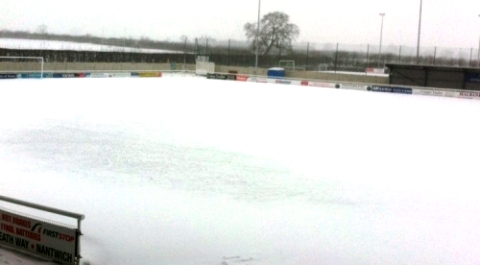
(434,76)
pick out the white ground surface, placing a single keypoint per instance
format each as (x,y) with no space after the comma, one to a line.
(201,172)
(8,43)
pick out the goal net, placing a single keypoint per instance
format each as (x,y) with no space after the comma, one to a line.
(287,64)
(203,66)
(26,67)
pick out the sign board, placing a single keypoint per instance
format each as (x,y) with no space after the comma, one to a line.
(63,75)
(81,75)
(8,76)
(354,86)
(150,74)
(469,94)
(321,84)
(31,75)
(397,90)
(122,75)
(178,74)
(221,76)
(96,75)
(242,78)
(424,92)
(40,238)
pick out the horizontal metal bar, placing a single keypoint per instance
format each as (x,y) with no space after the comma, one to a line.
(43,208)
(20,57)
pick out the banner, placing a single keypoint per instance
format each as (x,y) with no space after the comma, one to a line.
(424,92)
(178,74)
(96,75)
(469,94)
(63,75)
(242,78)
(8,76)
(280,81)
(452,94)
(257,79)
(397,90)
(122,75)
(150,74)
(40,238)
(354,87)
(375,70)
(221,76)
(321,84)
(31,75)
(81,75)
(285,82)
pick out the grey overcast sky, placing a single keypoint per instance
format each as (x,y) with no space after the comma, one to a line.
(446,23)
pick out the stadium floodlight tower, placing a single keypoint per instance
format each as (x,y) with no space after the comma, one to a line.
(22,65)
(419,30)
(381,38)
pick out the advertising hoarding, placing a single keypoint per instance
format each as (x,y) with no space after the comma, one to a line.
(386,89)
(38,237)
(150,74)
(8,76)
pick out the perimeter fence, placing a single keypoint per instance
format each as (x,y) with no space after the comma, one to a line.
(305,56)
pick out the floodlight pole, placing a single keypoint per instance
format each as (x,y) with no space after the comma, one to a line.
(256,38)
(381,36)
(419,30)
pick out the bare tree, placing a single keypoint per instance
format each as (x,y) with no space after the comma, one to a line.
(275,32)
(42,29)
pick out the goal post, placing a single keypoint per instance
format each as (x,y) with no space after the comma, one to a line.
(31,66)
(287,64)
(203,66)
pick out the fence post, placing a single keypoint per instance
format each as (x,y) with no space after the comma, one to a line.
(306,60)
(196,48)
(184,54)
(400,54)
(336,58)
(368,55)
(228,53)
(471,53)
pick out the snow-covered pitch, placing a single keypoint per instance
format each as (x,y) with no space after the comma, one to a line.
(201,172)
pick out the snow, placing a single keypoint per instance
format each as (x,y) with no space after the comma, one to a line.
(194,171)
(23,44)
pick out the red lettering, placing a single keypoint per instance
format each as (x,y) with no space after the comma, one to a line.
(21,222)
(6,218)
(28,234)
(7,228)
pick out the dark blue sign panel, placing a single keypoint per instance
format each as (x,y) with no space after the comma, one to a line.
(8,76)
(473,77)
(397,90)
(135,74)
